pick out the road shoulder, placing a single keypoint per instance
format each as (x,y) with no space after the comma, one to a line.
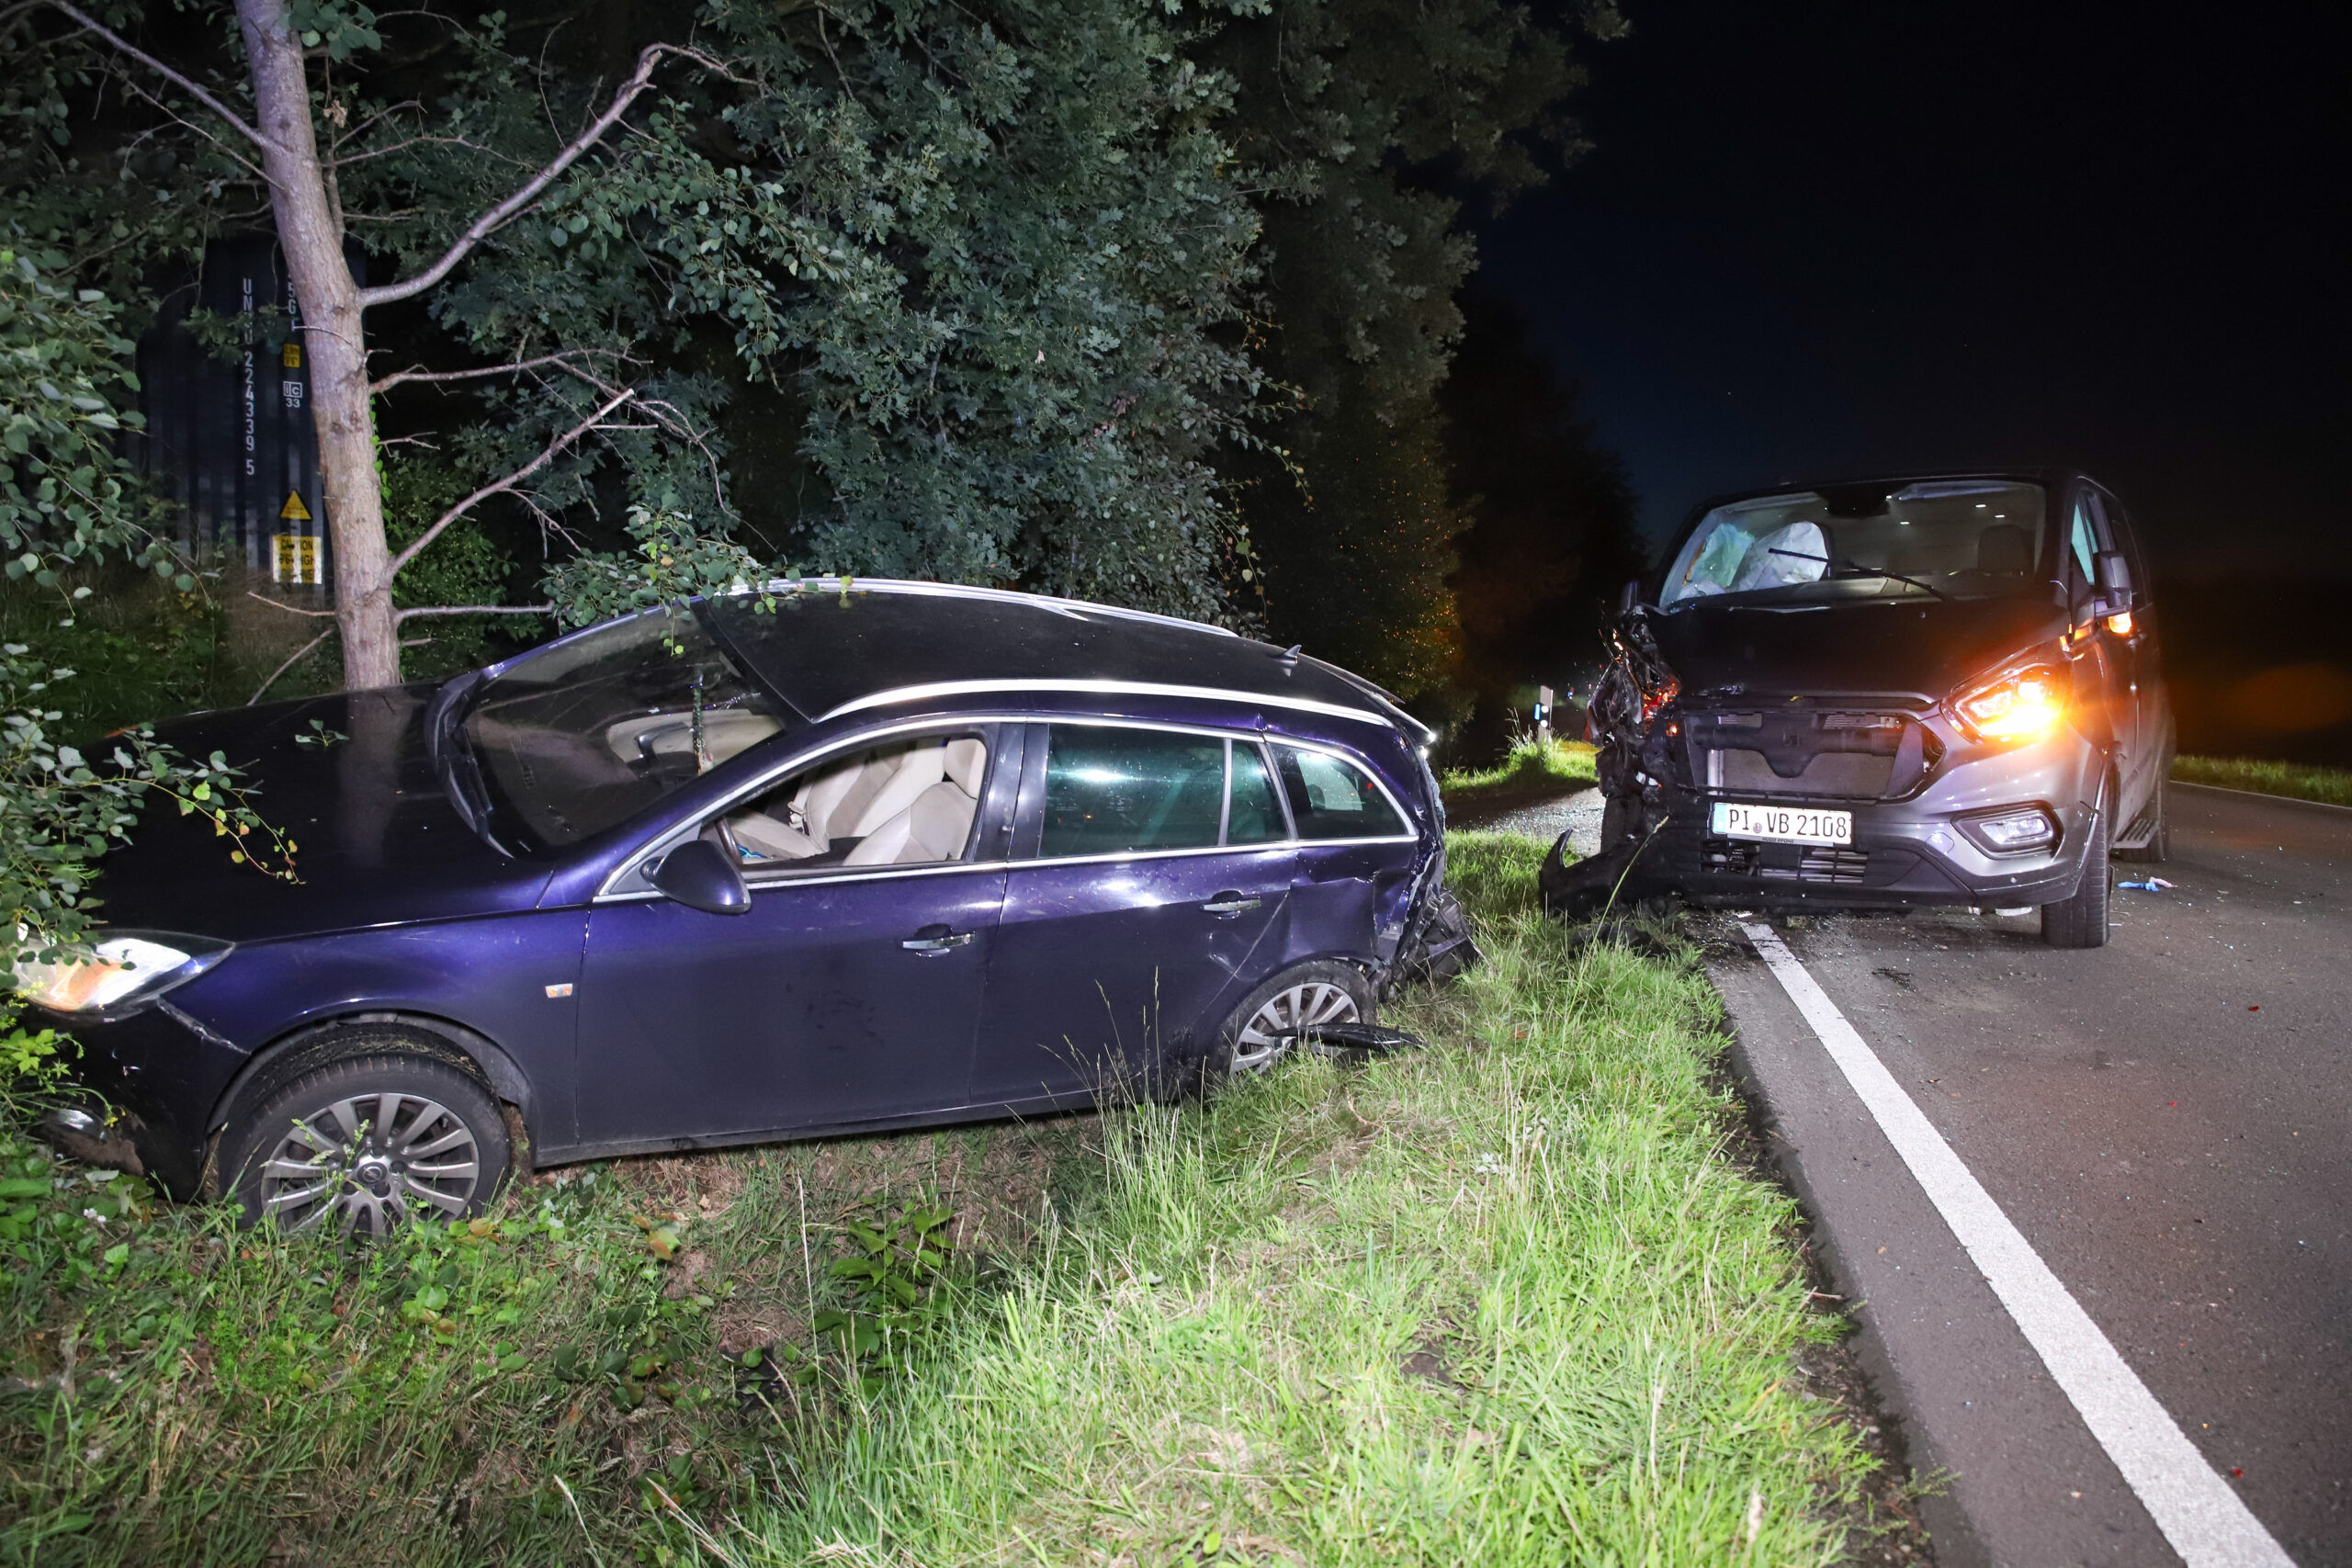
(2022,1480)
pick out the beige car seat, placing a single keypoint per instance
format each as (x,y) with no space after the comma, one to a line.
(873,796)
(937,823)
(934,826)
(918,769)
(967,764)
(764,835)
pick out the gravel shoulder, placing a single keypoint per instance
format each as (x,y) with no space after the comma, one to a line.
(1575,813)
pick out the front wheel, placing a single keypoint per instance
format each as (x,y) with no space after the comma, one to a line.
(2081,918)
(366,1143)
(1260,1031)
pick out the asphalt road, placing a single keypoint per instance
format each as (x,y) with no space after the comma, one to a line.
(2167,1121)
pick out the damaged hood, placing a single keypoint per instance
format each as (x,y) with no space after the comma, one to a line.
(377,841)
(1892,647)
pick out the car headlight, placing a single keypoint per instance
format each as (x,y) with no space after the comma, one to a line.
(124,969)
(2014,831)
(2018,707)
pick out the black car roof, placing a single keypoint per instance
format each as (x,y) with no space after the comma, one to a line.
(832,647)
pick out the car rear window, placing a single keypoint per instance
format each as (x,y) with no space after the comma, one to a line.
(1330,797)
(1112,789)
(1255,817)
(594,729)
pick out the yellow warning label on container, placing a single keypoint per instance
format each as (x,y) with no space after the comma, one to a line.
(294,511)
(290,356)
(295,559)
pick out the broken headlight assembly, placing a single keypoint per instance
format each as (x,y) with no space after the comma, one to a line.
(122,971)
(2018,707)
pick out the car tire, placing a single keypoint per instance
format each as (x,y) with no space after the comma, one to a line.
(2081,918)
(366,1142)
(2158,847)
(1254,1037)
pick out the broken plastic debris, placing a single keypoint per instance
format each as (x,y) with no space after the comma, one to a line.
(2154,884)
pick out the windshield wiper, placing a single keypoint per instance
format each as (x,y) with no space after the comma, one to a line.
(1855,568)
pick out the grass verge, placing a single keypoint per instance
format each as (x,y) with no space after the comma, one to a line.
(1530,771)
(1498,1302)
(2297,780)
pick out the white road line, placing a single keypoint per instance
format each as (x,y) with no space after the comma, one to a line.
(2206,1522)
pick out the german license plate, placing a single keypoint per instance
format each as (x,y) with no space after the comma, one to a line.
(1781,824)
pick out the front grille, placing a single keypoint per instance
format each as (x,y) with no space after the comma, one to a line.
(1784,863)
(1855,776)
(1799,751)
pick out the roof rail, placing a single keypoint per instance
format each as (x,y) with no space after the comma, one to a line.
(1080,608)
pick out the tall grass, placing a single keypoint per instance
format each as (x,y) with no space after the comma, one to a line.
(1530,767)
(2298,781)
(1496,1302)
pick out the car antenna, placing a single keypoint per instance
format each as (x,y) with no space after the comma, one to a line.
(1290,655)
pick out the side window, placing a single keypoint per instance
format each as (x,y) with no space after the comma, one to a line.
(1332,798)
(1255,817)
(2122,535)
(908,803)
(2085,538)
(1110,789)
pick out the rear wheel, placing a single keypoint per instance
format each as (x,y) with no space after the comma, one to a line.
(2081,920)
(366,1143)
(1260,1031)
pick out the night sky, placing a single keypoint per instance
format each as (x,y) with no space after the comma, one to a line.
(1823,236)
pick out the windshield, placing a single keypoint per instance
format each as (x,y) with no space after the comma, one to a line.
(1949,538)
(600,725)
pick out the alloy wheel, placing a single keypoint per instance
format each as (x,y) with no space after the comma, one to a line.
(371,1162)
(1267,1035)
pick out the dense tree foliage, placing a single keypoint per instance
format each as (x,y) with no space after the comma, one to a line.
(989,254)
(1084,296)
(1367,125)
(1552,535)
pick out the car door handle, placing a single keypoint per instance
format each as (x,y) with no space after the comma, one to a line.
(1231,903)
(933,940)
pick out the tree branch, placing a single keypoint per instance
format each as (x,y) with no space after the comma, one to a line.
(554,448)
(339,162)
(477,610)
(497,217)
(224,149)
(518,368)
(289,609)
(92,24)
(292,659)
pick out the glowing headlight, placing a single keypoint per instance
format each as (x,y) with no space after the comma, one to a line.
(122,969)
(2023,706)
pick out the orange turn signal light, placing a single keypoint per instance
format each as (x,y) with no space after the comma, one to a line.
(2123,625)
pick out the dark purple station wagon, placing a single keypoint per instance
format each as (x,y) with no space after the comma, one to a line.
(885,854)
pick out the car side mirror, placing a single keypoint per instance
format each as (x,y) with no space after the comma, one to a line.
(2114,583)
(697,875)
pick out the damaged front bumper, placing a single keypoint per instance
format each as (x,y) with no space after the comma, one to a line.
(1919,793)
(143,1069)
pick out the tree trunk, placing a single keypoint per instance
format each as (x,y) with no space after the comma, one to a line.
(334,346)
